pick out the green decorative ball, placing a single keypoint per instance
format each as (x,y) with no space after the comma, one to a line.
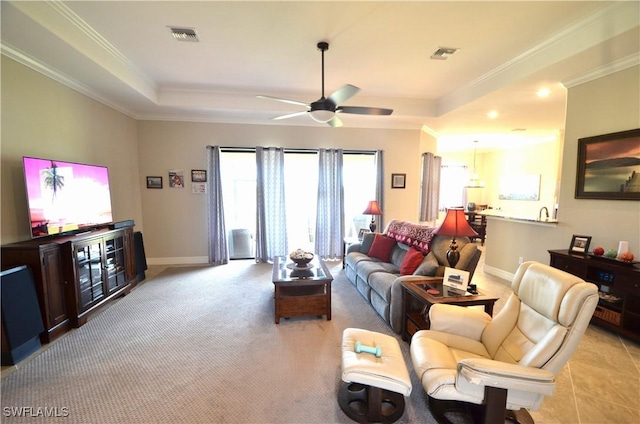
(611,253)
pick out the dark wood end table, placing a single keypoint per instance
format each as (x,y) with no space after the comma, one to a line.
(301,292)
(416,302)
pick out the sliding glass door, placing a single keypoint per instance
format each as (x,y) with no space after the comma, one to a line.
(238,175)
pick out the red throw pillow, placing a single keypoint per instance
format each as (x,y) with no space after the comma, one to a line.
(411,261)
(381,247)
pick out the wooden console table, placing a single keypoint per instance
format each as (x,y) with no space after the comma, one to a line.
(618,285)
(416,302)
(75,275)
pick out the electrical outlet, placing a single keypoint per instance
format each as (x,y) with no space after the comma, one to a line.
(520,260)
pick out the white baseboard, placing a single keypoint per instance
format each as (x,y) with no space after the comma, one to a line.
(498,272)
(190,260)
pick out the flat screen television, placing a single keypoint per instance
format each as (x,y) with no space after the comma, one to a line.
(66,197)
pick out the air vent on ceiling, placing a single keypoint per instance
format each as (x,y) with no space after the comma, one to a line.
(184,34)
(443,53)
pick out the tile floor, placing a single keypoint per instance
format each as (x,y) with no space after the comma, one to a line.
(600,383)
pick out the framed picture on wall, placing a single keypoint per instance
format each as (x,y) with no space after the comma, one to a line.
(154,182)
(398,180)
(198,176)
(609,166)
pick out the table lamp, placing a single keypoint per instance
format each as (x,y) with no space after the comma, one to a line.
(372,209)
(455,225)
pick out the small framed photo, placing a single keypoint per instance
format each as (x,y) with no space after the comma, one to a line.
(198,176)
(362,232)
(456,279)
(154,182)
(398,180)
(579,244)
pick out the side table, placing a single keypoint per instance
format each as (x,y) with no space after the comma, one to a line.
(416,302)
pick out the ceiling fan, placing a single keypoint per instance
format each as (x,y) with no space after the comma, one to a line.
(324,110)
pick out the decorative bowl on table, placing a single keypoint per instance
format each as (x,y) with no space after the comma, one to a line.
(301,258)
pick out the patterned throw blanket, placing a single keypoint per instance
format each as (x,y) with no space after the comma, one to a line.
(416,235)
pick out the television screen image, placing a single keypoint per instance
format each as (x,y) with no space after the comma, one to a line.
(66,197)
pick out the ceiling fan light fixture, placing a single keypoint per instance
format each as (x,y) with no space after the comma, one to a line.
(322,116)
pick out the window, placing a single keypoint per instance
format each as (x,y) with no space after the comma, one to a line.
(359,179)
(238,174)
(452,181)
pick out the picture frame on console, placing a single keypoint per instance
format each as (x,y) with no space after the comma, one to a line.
(609,166)
(580,244)
(154,182)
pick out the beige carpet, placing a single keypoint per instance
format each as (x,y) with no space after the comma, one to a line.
(199,345)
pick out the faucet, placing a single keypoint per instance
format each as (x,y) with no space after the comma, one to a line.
(546,211)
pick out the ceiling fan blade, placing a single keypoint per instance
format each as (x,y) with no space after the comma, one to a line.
(335,122)
(290,115)
(343,94)
(278,99)
(361,110)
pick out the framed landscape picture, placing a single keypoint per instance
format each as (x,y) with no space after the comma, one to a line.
(609,166)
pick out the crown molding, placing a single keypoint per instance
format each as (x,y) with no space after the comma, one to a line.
(604,70)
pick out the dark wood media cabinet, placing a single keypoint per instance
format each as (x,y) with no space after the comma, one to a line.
(75,275)
(619,286)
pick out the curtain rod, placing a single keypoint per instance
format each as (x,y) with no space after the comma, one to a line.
(291,150)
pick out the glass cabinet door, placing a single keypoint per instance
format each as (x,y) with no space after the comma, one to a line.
(115,263)
(90,275)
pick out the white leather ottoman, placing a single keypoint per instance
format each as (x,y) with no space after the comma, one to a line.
(373,388)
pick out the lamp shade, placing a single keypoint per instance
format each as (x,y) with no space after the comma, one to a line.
(455,224)
(372,208)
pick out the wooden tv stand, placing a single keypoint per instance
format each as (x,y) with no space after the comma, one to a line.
(619,286)
(75,275)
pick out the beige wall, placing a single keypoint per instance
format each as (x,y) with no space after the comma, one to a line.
(175,219)
(43,118)
(608,104)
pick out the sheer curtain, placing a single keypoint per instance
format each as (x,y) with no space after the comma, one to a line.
(330,209)
(217,237)
(271,222)
(430,190)
(380,189)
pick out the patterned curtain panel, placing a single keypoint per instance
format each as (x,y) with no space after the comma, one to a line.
(218,249)
(271,225)
(380,189)
(330,208)
(430,191)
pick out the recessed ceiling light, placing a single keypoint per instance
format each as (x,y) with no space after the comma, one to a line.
(493,114)
(543,92)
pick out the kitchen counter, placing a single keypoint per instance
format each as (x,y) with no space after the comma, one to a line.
(498,214)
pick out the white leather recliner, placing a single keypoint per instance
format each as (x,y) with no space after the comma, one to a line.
(510,361)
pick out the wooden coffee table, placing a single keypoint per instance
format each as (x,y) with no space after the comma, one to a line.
(416,301)
(301,292)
